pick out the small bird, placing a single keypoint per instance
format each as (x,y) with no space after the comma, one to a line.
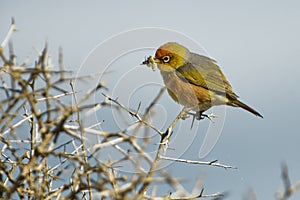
(195,81)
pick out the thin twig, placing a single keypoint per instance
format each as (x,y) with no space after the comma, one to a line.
(12,29)
(211,163)
(82,141)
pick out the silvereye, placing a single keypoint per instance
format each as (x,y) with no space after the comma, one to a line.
(195,81)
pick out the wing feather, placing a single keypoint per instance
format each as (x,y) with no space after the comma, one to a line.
(204,72)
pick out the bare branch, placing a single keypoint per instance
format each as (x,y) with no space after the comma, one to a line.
(289,188)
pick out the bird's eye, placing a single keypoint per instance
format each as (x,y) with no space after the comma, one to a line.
(166,59)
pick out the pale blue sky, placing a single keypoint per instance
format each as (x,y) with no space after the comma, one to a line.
(256,44)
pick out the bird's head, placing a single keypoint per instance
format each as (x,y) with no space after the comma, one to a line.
(171,56)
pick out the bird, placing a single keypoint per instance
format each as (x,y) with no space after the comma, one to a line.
(194,81)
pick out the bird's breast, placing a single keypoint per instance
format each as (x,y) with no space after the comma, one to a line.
(189,95)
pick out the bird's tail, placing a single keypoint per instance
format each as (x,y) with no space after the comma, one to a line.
(238,103)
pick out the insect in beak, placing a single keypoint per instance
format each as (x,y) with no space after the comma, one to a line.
(150,62)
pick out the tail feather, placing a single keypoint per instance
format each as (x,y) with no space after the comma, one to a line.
(238,103)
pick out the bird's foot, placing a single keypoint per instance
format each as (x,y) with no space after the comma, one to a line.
(200,115)
(210,116)
(185,116)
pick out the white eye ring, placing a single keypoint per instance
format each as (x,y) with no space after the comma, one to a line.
(166,59)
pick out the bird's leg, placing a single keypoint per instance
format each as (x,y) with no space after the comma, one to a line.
(199,115)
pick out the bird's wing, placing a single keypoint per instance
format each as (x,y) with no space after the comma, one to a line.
(203,71)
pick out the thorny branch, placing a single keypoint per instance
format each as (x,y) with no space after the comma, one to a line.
(165,138)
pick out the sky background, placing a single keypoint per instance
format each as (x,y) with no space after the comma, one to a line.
(256,43)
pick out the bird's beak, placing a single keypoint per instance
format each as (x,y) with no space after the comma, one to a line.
(156,60)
